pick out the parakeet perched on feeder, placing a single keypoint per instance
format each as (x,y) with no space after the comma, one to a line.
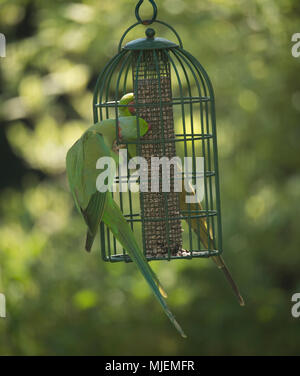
(199,225)
(96,204)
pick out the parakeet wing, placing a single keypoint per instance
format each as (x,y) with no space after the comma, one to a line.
(82,176)
(74,162)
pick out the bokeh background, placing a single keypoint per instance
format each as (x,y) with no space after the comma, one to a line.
(61,300)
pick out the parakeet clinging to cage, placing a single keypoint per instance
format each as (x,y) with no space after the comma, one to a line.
(94,201)
(199,225)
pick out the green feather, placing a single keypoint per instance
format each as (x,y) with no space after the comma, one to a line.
(82,175)
(118,225)
(93,215)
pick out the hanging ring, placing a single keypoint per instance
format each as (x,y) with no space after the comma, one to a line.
(137,14)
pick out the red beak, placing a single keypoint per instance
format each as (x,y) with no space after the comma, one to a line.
(131,108)
(119,131)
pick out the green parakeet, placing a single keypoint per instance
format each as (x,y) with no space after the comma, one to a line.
(199,225)
(96,204)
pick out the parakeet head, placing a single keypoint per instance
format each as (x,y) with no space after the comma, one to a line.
(128,128)
(127,99)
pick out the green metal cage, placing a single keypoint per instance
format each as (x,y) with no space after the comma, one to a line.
(174,94)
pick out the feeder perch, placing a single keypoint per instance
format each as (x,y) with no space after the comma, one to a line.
(174,94)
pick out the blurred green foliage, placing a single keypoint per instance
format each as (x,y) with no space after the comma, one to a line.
(61,300)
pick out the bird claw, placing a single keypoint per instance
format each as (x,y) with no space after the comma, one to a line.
(116,147)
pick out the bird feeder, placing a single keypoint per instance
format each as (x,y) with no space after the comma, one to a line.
(173,93)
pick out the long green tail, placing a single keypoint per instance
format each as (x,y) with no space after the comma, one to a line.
(115,220)
(219,261)
(199,225)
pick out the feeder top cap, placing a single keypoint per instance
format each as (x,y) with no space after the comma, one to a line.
(150,42)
